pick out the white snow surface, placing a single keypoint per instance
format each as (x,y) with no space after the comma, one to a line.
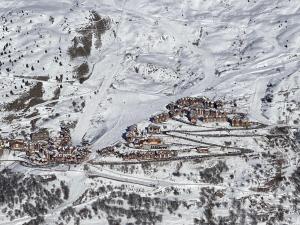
(153,53)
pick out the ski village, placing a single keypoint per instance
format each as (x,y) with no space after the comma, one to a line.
(150,112)
(190,128)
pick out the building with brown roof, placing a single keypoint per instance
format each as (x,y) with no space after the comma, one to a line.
(239,122)
(172,106)
(222,117)
(209,119)
(210,115)
(18,145)
(175,112)
(190,101)
(67,155)
(150,155)
(192,116)
(131,133)
(41,135)
(160,118)
(153,129)
(147,141)
(218,104)
(130,136)
(202,149)
(133,128)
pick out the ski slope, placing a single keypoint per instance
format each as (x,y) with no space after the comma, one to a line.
(150,54)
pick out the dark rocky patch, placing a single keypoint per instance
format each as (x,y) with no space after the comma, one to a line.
(33,97)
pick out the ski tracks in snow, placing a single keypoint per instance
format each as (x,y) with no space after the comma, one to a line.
(114,58)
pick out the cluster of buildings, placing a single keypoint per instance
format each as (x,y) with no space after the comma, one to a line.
(160,118)
(148,143)
(194,109)
(206,115)
(131,133)
(151,142)
(150,155)
(137,139)
(42,149)
(202,101)
(199,108)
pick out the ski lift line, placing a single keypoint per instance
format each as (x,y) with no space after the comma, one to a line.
(217,130)
(243,150)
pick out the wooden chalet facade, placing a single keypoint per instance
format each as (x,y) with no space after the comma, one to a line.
(147,142)
(18,145)
(239,122)
(206,115)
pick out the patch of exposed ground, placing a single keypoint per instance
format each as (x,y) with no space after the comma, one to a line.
(99,26)
(81,46)
(33,97)
(82,43)
(82,72)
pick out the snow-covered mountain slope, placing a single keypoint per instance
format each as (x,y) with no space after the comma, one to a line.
(99,66)
(102,65)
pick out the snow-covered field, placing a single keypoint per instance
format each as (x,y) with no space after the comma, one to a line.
(99,66)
